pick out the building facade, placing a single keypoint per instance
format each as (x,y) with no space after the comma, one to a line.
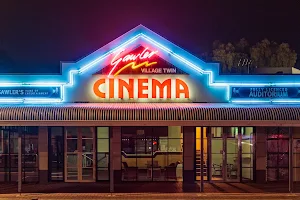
(143,109)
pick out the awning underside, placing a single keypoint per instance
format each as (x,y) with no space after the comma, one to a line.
(148,112)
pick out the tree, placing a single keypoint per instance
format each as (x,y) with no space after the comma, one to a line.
(225,54)
(285,56)
(270,54)
(231,56)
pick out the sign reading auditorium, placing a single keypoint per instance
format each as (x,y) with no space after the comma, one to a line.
(265,92)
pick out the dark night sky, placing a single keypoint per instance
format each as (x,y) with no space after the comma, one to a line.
(37,35)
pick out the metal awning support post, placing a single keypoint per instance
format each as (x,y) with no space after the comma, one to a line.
(19,162)
(291,177)
(111,164)
(201,164)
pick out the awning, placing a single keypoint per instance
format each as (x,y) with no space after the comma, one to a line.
(150,113)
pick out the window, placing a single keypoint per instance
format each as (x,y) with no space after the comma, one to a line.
(247,153)
(56,153)
(102,153)
(9,153)
(278,153)
(152,153)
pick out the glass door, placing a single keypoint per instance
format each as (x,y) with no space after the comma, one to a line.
(217,161)
(232,154)
(80,154)
(225,154)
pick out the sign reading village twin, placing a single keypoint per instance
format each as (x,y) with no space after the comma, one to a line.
(265,92)
(30,92)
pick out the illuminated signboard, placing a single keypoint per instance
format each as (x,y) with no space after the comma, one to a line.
(139,61)
(30,92)
(141,88)
(133,76)
(144,56)
(265,92)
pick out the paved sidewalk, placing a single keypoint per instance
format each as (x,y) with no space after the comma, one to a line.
(140,187)
(145,196)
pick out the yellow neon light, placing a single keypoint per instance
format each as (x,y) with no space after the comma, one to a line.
(134,66)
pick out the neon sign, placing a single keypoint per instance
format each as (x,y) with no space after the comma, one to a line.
(183,60)
(140,88)
(145,54)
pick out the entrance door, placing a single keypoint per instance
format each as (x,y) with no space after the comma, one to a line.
(225,154)
(80,154)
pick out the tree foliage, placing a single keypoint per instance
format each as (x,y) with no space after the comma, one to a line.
(230,55)
(241,56)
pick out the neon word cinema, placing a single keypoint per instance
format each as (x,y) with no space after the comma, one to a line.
(144,55)
(140,88)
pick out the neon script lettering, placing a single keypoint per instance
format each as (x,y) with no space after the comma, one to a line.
(145,54)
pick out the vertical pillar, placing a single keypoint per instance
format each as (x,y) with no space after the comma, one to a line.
(115,154)
(291,179)
(19,163)
(189,154)
(202,161)
(43,154)
(261,154)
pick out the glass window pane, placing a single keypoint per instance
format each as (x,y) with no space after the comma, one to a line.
(247,160)
(72,160)
(247,174)
(217,166)
(30,146)
(102,159)
(30,174)
(174,132)
(145,165)
(72,173)
(283,174)
(103,145)
(152,154)
(87,174)
(216,132)
(217,146)
(87,145)
(233,132)
(71,132)
(272,146)
(247,146)
(14,160)
(87,160)
(232,146)
(102,132)
(272,160)
(283,145)
(128,145)
(57,153)
(87,132)
(283,160)
(175,145)
(272,174)
(72,145)
(13,147)
(141,146)
(57,174)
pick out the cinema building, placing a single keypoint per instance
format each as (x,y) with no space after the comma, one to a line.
(143,109)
